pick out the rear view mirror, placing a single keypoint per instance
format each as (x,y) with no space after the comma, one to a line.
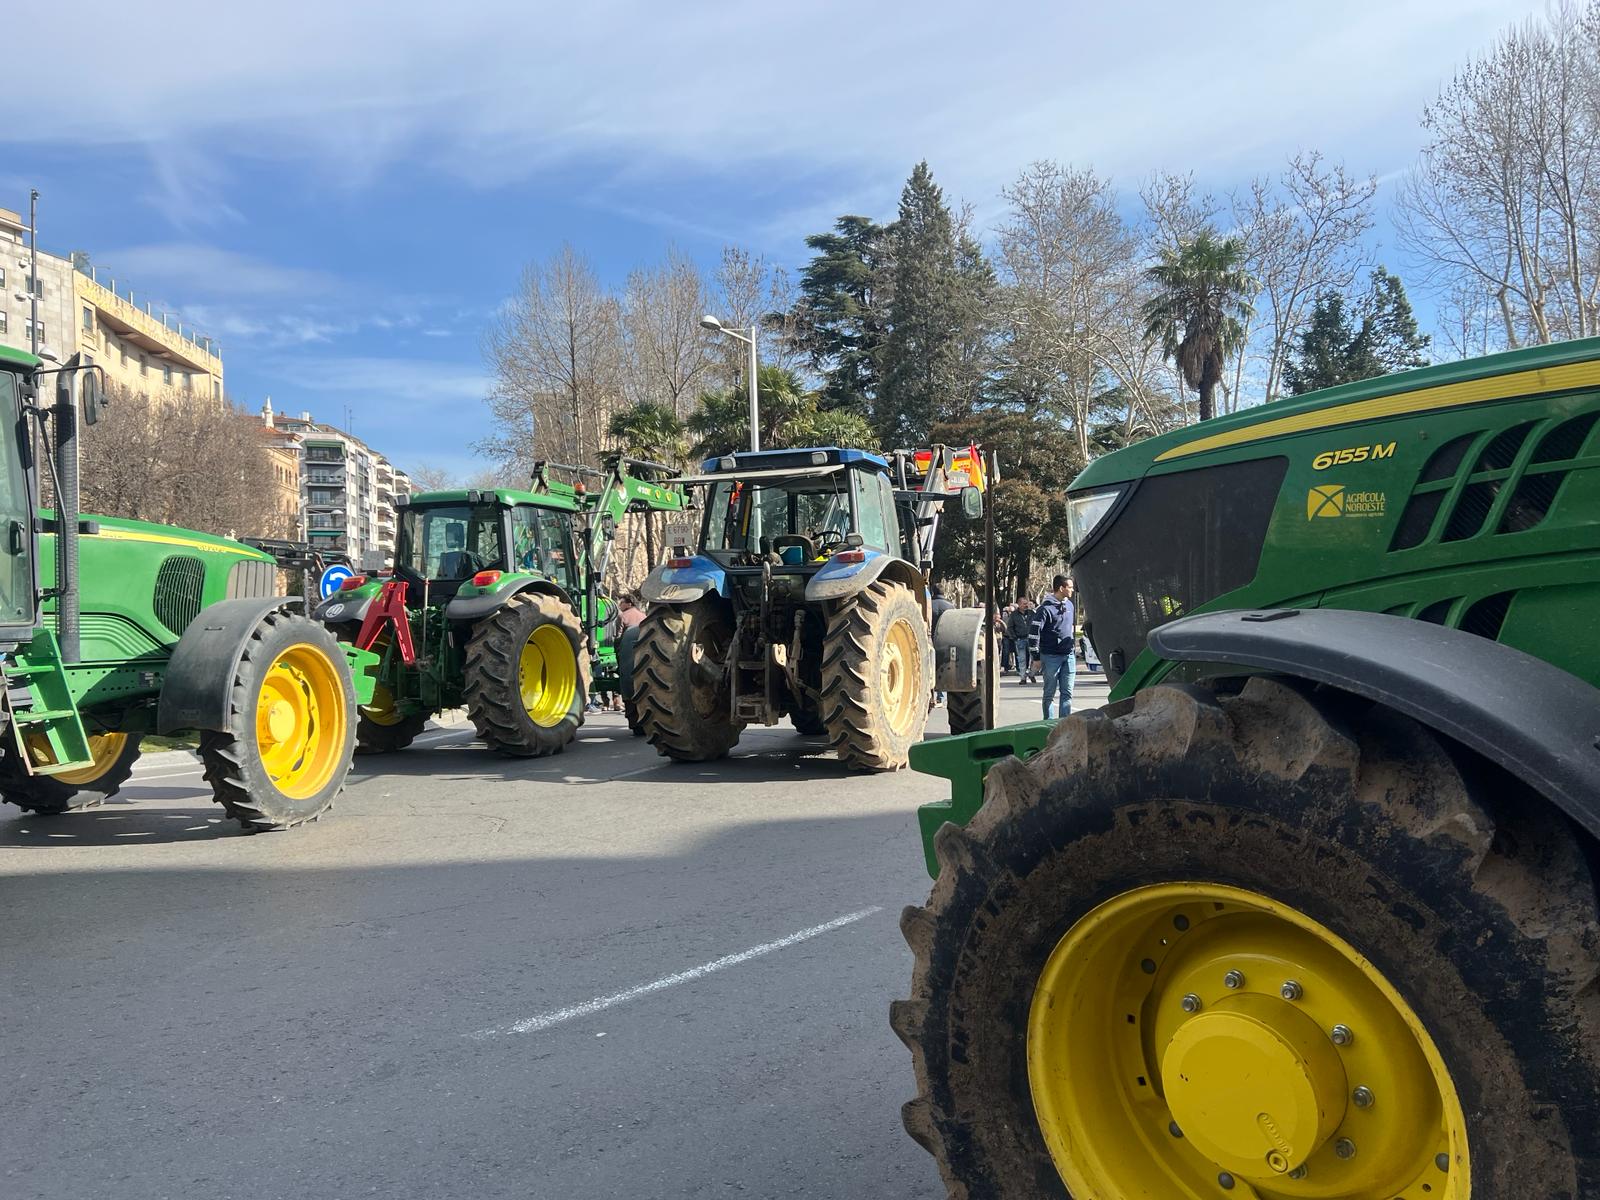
(91,395)
(972,502)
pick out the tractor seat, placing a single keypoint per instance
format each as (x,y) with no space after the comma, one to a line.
(795,549)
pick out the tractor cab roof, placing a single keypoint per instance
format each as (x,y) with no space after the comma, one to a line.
(1539,369)
(12,357)
(757,465)
(561,496)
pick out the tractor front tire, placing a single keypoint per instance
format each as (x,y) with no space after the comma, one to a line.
(114,756)
(291,726)
(876,659)
(1193,889)
(679,686)
(378,736)
(527,676)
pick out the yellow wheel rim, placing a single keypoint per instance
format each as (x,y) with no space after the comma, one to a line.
(900,679)
(300,721)
(1188,1037)
(105,748)
(547,673)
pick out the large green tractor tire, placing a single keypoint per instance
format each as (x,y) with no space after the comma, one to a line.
(876,660)
(679,684)
(291,734)
(114,756)
(1267,943)
(527,676)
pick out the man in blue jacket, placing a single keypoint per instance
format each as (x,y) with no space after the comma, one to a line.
(1050,645)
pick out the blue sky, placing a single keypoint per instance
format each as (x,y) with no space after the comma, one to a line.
(343,192)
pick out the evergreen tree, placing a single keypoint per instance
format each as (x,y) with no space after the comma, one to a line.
(840,319)
(936,355)
(1340,346)
(1201,302)
(790,414)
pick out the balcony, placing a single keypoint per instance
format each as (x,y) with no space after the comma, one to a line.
(146,327)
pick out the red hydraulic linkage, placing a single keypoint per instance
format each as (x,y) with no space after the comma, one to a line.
(389,608)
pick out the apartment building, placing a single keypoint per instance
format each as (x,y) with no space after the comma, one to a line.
(83,308)
(350,494)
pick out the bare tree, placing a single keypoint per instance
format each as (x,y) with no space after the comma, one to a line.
(166,460)
(750,292)
(1506,197)
(1302,236)
(1064,251)
(668,355)
(555,353)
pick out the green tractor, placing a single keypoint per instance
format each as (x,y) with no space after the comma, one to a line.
(494,605)
(808,598)
(151,629)
(1309,908)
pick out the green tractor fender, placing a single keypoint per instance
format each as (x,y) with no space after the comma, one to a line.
(199,676)
(1529,717)
(348,607)
(471,604)
(958,650)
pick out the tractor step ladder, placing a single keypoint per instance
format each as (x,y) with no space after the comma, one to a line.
(44,720)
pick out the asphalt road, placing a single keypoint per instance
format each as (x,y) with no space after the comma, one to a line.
(593,976)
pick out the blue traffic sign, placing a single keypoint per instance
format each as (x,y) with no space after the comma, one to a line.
(332,577)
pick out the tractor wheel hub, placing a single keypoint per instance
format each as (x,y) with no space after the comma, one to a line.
(280,721)
(1254,1084)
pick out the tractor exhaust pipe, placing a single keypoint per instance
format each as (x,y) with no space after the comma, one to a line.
(67,599)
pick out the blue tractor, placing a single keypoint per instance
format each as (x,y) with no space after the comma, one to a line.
(808,597)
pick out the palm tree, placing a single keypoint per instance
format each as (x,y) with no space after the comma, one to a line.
(652,432)
(1199,311)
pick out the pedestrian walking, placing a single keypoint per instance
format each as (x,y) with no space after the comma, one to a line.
(1008,647)
(1050,642)
(1018,627)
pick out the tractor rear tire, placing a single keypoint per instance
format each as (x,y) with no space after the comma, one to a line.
(808,722)
(966,708)
(527,676)
(291,727)
(1354,854)
(684,707)
(47,795)
(876,677)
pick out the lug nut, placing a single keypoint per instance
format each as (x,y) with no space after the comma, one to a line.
(1172,1128)
(1225,1181)
(1344,1148)
(1277,1162)
(1342,1035)
(1299,1172)
(1191,1003)
(1233,980)
(1442,1161)
(1291,990)
(1363,1097)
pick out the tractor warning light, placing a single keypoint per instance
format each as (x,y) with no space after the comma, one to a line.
(486,579)
(351,584)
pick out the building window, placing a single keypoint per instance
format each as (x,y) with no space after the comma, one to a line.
(188,385)
(124,348)
(36,286)
(166,374)
(35,325)
(144,364)
(2,322)
(2,277)
(216,389)
(88,318)
(105,341)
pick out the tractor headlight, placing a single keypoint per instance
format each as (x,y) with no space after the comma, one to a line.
(1086,510)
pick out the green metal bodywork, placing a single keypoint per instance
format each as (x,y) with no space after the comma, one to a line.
(139,586)
(436,680)
(1464,494)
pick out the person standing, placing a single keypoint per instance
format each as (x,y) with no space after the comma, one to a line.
(1018,627)
(1050,642)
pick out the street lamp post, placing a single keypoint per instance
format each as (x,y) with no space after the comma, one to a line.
(710,322)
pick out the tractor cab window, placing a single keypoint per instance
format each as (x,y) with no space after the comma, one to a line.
(875,511)
(450,541)
(799,519)
(16,569)
(539,543)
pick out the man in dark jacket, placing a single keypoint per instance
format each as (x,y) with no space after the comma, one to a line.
(1050,645)
(1018,627)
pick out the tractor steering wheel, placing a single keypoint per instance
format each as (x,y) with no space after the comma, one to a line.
(829,540)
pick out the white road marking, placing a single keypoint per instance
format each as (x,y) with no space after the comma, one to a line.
(543,1021)
(194,770)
